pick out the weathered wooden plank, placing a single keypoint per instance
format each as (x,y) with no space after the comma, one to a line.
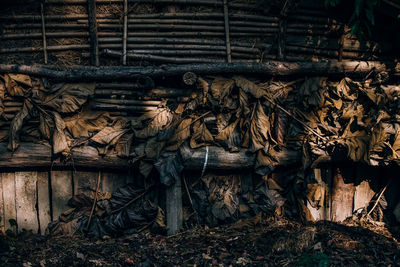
(61,188)
(84,182)
(362,195)
(25,201)
(43,200)
(111,181)
(10,212)
(174,207)
(2,229)
(342,194)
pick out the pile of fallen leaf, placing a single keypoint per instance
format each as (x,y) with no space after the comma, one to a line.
(255,241)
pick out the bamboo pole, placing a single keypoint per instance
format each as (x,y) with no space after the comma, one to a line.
(43,34)
(163,59)
(183,41)
(160,52)
(94,45)
(156,93)
(183,2)
(227,37)
(194,15)
(124,37)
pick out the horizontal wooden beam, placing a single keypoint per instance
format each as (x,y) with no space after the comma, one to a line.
(273,68)
(31,155)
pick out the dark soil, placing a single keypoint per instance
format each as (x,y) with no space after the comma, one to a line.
(274,242)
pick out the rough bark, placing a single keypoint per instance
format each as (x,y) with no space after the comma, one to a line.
(273,68)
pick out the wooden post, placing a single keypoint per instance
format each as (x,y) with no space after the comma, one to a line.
(174,207)
(125,34)
(10,212)
(94,45)
(61,188)
(43,200)
(43,33)
(25,201)
(282,31)
(342,193)
(227,37)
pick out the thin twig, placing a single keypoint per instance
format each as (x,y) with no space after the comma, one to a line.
(43,33)
(189,196)
(296,119)
(379,197)
(227,37)
(94,201)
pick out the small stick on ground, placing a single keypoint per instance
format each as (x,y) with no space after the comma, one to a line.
(94,201)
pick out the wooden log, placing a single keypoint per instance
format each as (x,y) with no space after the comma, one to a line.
(342,194)
(61,192)
(10,211)
(273,68)
(25,200)
(94,44)
(129,102)
(174,207)
(157,93)
(84,182)
(43,200)
(116,107)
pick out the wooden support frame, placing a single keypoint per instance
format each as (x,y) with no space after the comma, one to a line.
(93,38)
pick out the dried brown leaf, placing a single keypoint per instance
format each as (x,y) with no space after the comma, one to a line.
(201,135)
(17,123)
(157,123)
(182,132)
(86,122)
(249,87)
(69,97)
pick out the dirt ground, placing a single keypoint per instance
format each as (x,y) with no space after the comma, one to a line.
(255,242)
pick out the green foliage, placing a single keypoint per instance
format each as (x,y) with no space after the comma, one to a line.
(362,18)
(320,259)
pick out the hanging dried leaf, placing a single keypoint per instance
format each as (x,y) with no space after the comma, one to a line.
(153,148)
(222,120)
(182,132)
(86,122)
(244,103)
(260,128)
(157,123)
(347,89)
(17,123)
(46,125)
(145,168)
(2,93)
(17,84)
(221,88)
(204,86)
(201,135)
(312,92)
(249,87)
(60,144)
(110,135)
(69,97)
(123,146)
(230,137)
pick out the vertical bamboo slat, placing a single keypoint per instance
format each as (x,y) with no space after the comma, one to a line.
(227,37)
(2,230)
(94,44)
